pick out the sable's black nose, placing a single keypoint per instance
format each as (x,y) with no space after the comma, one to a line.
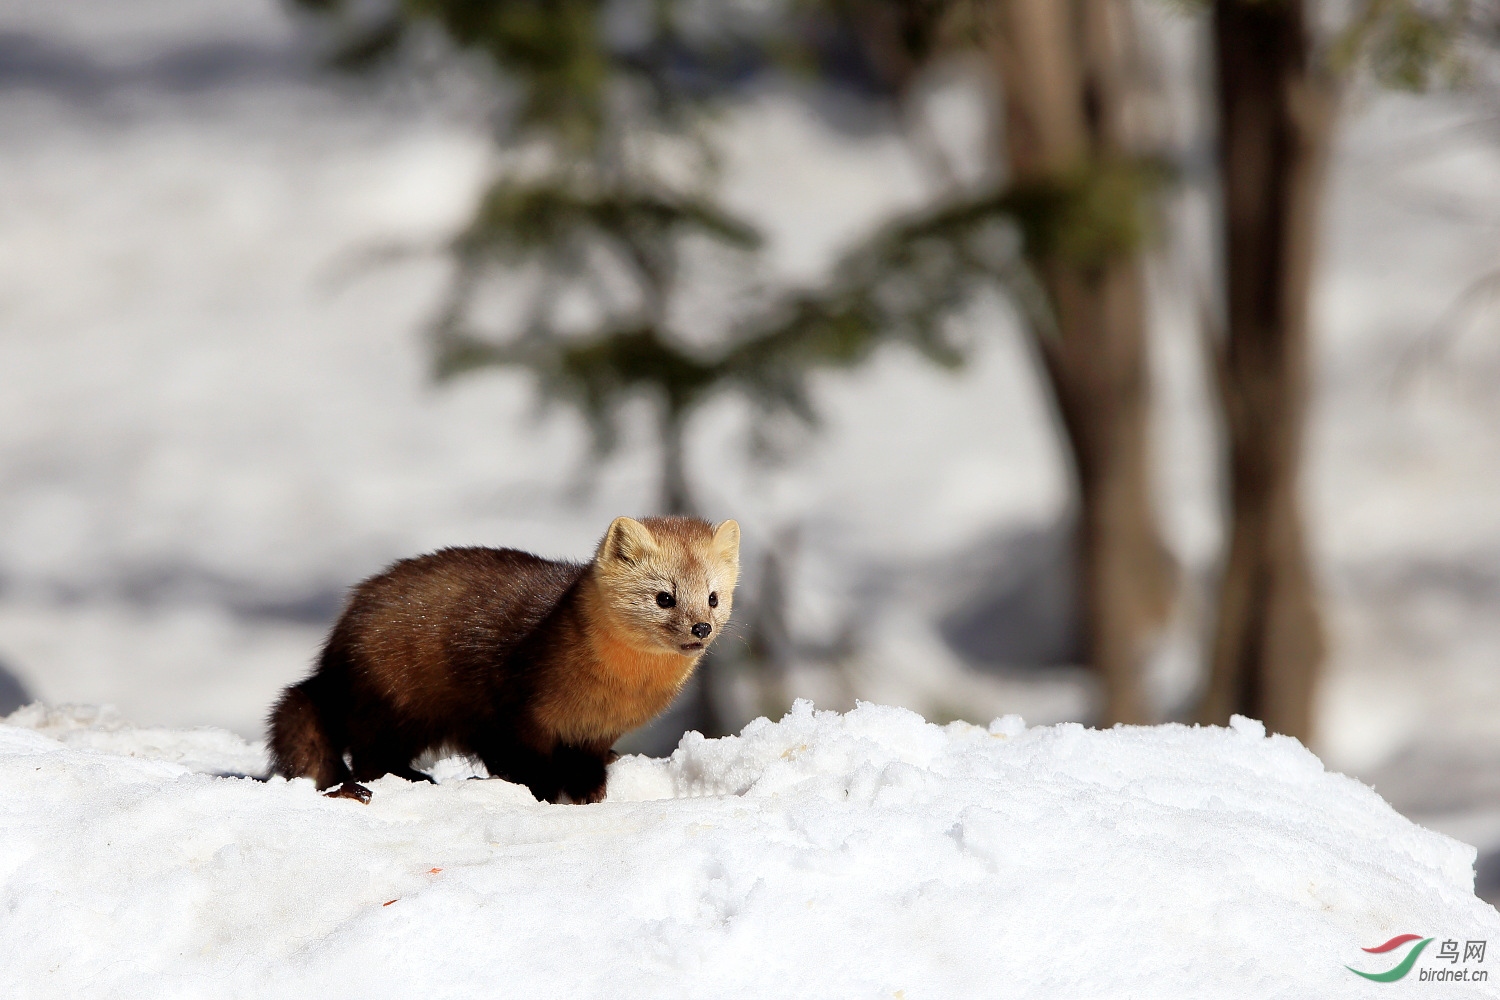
(702,629)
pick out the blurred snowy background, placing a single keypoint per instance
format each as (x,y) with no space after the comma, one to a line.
(217,413)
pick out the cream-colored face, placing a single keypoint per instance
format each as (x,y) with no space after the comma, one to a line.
(669,582)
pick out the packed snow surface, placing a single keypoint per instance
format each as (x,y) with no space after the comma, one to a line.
(869,854)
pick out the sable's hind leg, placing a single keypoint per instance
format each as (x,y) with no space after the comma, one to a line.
(351,790)
(305,741)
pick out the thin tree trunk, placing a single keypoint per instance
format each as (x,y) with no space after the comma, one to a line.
(1063,69)
(1276,114)
(768,638)
(676,499)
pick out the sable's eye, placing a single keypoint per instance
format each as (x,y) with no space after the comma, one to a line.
(665,600)
(713,600)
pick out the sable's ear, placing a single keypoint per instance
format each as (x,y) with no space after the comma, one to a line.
(727,542)
(627,540)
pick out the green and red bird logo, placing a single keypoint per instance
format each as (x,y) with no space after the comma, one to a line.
(1404,966)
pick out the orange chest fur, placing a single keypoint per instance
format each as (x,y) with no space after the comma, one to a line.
(616,689)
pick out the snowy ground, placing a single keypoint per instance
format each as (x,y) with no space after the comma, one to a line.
(864,855)
(210,426)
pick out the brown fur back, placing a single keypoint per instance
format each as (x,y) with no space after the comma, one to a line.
(430,630)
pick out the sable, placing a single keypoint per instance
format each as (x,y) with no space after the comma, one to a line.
(532,666)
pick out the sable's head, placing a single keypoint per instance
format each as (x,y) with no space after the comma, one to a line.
(669,580)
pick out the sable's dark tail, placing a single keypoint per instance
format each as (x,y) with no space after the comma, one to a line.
(306,734)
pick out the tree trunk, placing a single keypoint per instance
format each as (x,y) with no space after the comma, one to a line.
(1276,114)
(768,639)
(677,500)
(1064,72)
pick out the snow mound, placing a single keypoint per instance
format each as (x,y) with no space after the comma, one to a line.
(869,854)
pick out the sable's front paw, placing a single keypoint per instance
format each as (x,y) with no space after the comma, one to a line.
(581,791)
(597,795)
